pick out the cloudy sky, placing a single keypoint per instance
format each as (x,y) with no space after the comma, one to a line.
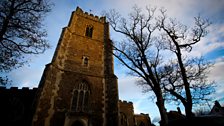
(212,47)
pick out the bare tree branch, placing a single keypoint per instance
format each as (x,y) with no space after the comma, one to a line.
(21,31)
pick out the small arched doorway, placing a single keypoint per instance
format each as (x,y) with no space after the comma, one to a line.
(77,123)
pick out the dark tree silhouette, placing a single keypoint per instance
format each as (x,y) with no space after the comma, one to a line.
(21,32)
(140,52)
(185,78)
(177,77)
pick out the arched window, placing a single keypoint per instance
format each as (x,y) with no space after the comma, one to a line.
(89,31)
(80,102)
(74,100)
(80,98)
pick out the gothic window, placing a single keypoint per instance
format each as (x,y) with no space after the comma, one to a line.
(89,31)
(86,101)
(80,97)
(80,102)
(74,100)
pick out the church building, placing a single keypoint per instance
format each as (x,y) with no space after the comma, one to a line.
(78,87)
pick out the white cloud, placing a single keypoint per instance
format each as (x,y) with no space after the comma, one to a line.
(217,75)
(177,8)
(217,70)
(128,88)
(213,41)
(184,11)
(129,91)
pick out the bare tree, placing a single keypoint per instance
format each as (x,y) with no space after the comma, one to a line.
(196,71)
(140,51)
(185,78)
(21,31)
(176,78)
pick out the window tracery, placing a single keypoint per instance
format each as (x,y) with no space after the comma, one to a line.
(80,98)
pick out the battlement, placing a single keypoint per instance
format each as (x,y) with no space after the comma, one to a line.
(126,102)
(16,90)
(143,114)
(79,11)
(18,103)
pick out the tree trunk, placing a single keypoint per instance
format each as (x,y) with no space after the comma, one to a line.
(162,109)
(188,107)
(188,110)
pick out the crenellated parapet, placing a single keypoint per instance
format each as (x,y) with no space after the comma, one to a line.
(143,114)
(23,89)
(79,11)
(16,106)
(125,102)
(126,105)
(15,91)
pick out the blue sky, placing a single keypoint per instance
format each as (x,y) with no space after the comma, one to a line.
(212,47)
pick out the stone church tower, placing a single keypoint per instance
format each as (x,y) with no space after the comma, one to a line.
(79,88)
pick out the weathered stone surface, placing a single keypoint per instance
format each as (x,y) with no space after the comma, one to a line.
(126,113)
(78,87)
(79,58)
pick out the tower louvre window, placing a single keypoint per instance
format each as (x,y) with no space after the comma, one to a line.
(89,31)
(80,97)
(85,61)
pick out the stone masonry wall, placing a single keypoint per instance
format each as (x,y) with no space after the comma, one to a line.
(66,70)
(127,109)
